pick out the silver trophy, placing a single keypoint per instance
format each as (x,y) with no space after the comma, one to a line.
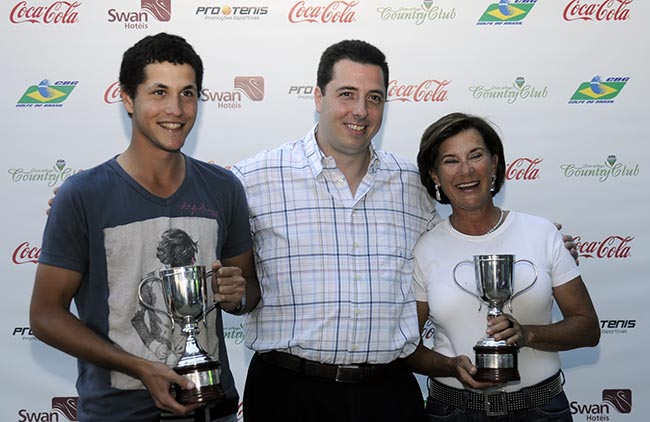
(495,360)
(185,293)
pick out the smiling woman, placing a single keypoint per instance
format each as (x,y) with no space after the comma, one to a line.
(461,163)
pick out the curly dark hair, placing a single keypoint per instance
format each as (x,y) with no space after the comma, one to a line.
(176,248)
(443,129)
(157,48)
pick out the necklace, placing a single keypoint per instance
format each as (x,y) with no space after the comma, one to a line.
(499,221)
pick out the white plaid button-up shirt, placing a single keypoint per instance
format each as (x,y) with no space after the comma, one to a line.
(335,271)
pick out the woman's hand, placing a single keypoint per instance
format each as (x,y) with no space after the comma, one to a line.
(505,327)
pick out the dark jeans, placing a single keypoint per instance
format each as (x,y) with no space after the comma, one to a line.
(556,410)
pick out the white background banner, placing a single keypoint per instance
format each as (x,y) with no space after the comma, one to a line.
(564,81)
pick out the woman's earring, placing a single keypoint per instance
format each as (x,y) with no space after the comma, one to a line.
(437,192)
(494,183)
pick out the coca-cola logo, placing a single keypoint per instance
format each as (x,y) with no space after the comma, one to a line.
(523,169)
(607,10)
(25,253)
(430,90)
(612,247)
(112,93)
(335,12)
(59,12)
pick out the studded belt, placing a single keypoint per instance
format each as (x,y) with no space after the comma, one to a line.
(498,402)
(339,373)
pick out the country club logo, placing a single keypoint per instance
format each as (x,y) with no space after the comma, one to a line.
(232,13)
(251,87)
(426,91)
(46,94)
(333,12)
(426,12)
(160,10)
(234,334)
(62,407)
(58,12)
(52,176)
(617,326)
(506,12)
(619,400)
(610,168)
(516,91)
(604,10)
(611,247)
(599,91)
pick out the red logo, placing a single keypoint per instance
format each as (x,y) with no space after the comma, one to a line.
(611,247)
(607,10)
(25,253)
(112,94)
(335,12)
(523,169)
(430,90)
(58,12)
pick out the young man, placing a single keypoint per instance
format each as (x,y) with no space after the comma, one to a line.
(334,223)
(108,229)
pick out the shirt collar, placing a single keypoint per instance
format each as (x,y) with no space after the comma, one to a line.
(317,160)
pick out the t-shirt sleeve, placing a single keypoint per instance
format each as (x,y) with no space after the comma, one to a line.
(564,267)
(65,237)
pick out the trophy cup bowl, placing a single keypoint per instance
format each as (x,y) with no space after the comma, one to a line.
(495,361)
(185,293)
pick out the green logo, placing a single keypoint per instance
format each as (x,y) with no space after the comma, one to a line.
(45,94)
(506,12)
(598,91)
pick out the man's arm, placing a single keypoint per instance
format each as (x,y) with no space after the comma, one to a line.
(52,322)
(235,283)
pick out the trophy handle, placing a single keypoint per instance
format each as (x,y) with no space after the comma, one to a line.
(466,261)
(211,307)
(148,305)
(527,287)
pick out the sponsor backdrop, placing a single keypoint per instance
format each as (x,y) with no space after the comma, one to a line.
(566,81)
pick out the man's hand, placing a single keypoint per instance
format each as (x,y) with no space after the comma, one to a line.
(158,378)
(569,243)
(228,285)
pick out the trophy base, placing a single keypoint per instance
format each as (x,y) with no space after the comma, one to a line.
(496,363)
(206,378)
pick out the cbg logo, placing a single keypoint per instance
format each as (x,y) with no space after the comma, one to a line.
(47,95)
(506,12)
(598,91)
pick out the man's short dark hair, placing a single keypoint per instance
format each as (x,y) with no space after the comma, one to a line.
(157,48)
(355,50)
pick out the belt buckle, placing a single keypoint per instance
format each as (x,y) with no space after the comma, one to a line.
(348,373)
(502,395)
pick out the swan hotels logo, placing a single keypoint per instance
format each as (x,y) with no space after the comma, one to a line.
(612,400)
(506,12)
